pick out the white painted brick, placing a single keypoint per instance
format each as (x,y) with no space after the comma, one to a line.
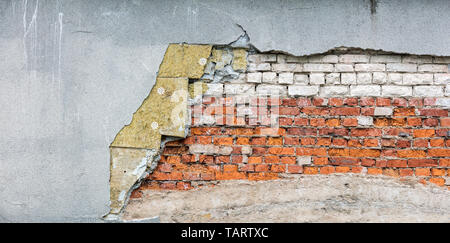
(331,91)
(395,78)
(316,78)
(316,67)
(287,67)
(301,79)
(242,78)
(370,67)
(214,89)
(258,58)
(281,58)
(343,68)
(395,90)
(296,59)
(428,91)
(382,111)
(442,78)
(286,78)
(233,89)
(385,58)
(348,78)
(303,160)
(379,78)
(447,90)
(441,60)
(401,67)
(443,102)
(259,67)
(433,68)
(417,59)
(350,58)
(269,77)
(324,58)
(246,150)
(364,78)
(271,89)
(254,77)
(417,78)
(333,78)
(365,120)
(365,90)
(303,90)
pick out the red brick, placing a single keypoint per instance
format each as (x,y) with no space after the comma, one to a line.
(350,122)
(262,176)
(261,167)
(326,170)
(414,121)
(271,159)
(230,176)
(281,151)
(317,122)
(342,169)
(289,111)
(422,162)
(303,102)
(445,122)
(406,172)
(437,181)
(230,168)
(383,102)
(243,141)
(399,102)
(336,102)
(433,112)
(258,141)
(352,101)
(366,132)
(291,141)
(223,141)
(310,170)
(345,111)
(254,160)
(288,160)
(435,152)
(367,101)
(410,111)
(374,171)
(411,153)
(311,151)
(278,168)
(300,121)
(422,172)
(397,163)
(317,101)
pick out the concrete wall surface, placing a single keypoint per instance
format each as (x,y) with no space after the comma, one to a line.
(73,72)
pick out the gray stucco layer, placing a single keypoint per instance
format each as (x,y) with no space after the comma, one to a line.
(73,72)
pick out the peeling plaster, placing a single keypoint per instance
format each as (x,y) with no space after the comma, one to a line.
(164,115)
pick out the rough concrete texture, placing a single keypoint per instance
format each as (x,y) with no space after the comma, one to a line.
(72,72)
(331,198)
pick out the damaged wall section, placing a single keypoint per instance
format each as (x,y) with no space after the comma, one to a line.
(164,115)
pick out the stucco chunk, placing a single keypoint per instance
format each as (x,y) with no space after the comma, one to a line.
(182,60)
(128,165)
(163,112)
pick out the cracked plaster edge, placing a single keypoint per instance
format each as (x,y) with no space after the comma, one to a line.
(242,43)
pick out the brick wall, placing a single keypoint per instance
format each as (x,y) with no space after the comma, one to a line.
(347,111)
